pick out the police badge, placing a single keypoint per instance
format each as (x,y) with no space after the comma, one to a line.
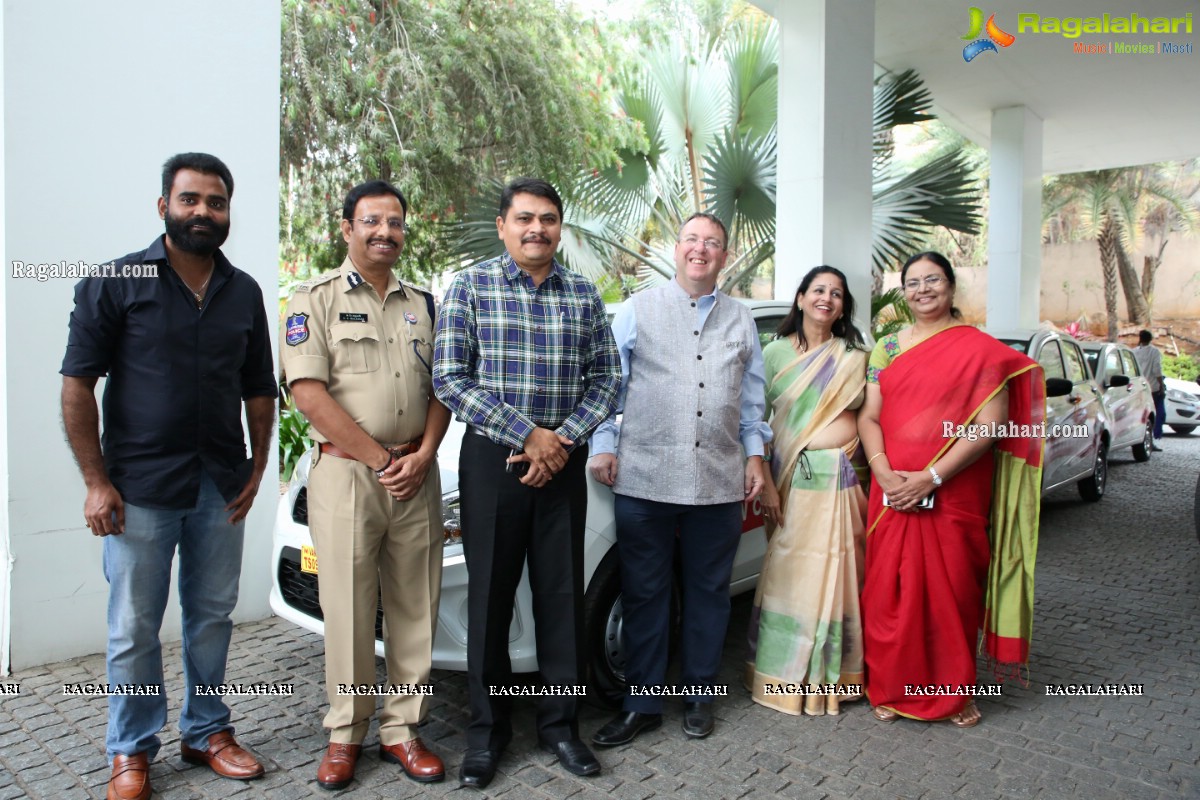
(296,329)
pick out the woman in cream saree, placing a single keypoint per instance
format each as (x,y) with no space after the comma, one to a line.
(805,628)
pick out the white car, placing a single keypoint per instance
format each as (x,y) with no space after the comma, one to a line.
(294,593)
(1183,405)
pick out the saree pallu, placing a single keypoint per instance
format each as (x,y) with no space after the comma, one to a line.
(935,577)
(806,649)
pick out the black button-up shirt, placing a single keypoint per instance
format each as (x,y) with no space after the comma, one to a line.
(177,375)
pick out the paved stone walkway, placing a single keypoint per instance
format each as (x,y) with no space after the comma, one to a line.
(1117,598)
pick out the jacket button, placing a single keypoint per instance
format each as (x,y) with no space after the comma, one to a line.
(699,358)
(702,386)
(699,413)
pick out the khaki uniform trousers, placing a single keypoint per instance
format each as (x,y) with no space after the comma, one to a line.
(366,542)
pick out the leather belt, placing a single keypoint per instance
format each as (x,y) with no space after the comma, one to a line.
(398,449)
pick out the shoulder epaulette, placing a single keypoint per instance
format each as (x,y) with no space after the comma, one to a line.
(323,278)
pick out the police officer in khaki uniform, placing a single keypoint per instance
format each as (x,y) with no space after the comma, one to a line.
(357,349)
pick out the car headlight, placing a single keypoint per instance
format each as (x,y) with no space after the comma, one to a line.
(451,522)
(1180,396)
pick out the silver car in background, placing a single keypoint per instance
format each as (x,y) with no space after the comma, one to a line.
(1127,396)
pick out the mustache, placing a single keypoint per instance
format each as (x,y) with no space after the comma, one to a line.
(382,240)
(535,238)
(205,224)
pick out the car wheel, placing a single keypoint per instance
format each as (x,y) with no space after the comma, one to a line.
(603,620)
(1092,487)
(1183,429)
(1143,449)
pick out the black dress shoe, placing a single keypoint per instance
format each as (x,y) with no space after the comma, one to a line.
(574,756)
(697,720)
(624,728)
(478,768)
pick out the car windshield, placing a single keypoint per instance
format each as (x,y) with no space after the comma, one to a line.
(1093,359)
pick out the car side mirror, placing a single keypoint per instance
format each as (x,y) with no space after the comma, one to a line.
(1117,381)
(1058,387)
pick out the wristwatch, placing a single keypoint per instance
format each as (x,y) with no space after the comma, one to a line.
(937,479)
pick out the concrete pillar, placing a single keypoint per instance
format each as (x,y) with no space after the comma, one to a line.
(823,212)
(1015,220)
(97,97)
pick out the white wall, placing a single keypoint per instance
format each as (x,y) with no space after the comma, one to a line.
(5,559)
(96,96)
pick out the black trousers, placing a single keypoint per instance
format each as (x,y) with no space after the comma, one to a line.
(505,522)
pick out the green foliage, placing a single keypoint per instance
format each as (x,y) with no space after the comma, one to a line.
(293,441)
(430,95)
(1183,366)
(889,313)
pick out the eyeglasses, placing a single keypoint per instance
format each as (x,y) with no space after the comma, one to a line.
(394,223)
(709,244)
(930,281)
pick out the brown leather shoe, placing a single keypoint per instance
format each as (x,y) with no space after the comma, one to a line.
(130,778)
(417,760)
(337,767)
(225,757)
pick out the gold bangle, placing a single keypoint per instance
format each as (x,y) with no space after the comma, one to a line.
(872,458)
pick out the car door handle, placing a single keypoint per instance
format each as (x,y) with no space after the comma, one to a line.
(1074,399)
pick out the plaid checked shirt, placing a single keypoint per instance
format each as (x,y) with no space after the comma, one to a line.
(509,356)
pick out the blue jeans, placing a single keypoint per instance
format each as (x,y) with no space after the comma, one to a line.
(1160,412)
(137,565)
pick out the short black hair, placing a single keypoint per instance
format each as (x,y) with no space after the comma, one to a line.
(200,162)
(1145,337)
(714,219)
(374,188)
(533,186)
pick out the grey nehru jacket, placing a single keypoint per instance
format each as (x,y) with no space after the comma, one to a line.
(679,435)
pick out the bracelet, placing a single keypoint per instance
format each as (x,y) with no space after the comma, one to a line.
(872,458)
(391,459)
(766,457)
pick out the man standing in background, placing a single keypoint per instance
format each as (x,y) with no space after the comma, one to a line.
(1149,361)
(183,350)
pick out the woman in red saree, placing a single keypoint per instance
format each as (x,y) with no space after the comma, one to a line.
(935,576)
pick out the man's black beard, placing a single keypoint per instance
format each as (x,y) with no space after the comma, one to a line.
(183,233)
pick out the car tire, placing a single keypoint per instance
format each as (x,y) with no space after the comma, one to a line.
(602,623)
(602,620)
(1092,487)
(1143,449)
(1183,430)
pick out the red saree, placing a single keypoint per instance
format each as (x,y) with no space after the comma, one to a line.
(934,578)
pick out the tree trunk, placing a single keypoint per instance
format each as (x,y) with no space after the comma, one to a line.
(1135,301)
(1107,241)
(1150,267)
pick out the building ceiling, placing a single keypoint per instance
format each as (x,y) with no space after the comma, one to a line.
(1099,110)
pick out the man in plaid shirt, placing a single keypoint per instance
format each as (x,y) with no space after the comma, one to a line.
(524,355)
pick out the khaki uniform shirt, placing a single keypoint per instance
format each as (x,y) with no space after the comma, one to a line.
(374,355)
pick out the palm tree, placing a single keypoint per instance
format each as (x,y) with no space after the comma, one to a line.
(1112,205)
(709,121)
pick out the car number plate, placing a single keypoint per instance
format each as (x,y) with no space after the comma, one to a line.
(308,559)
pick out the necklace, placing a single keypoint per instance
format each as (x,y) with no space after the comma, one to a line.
(913,342)
(198,294)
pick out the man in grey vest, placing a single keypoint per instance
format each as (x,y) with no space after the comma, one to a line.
(690,454)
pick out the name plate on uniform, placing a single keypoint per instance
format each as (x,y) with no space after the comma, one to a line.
(308,559)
